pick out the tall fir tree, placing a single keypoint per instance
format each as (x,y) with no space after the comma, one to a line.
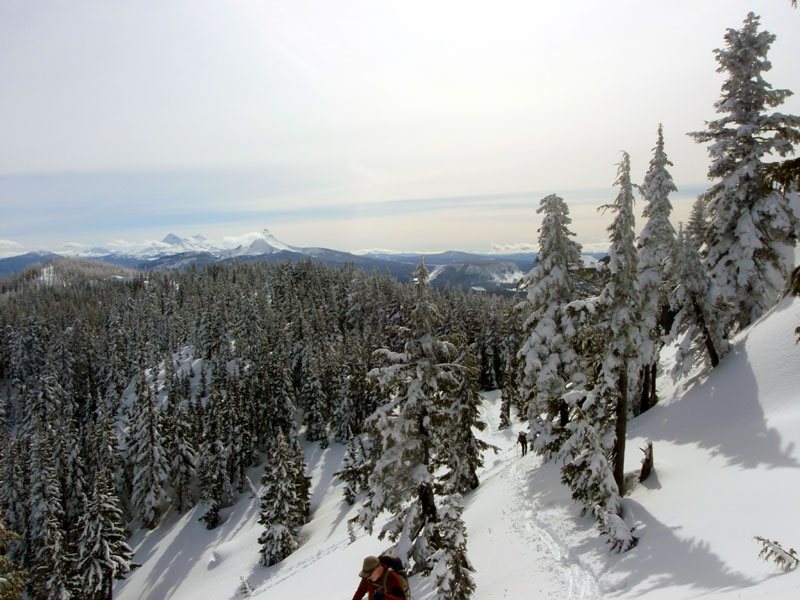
(453,570)
(314,400)
(419,382)
(356,467)
(512,374)
(750,226)
(593,454)
(462,452)
(15,492)
(587,470)
(215,484)
(147,456)
(696,226)
(51,558)
(621,308)
(283,506)
(102,553)
(182,457)
(276,401)
(696,328)
(548,359)
(656,242)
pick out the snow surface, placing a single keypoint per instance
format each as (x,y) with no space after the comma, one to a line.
(727,468)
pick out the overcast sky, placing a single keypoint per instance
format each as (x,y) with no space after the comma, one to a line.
(351,124)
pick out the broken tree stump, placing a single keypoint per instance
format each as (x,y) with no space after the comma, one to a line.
(647,461)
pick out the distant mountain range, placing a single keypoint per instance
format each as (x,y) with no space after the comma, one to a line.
(492,273)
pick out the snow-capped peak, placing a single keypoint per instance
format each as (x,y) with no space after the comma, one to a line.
(275,242)
(173,240)
(256,244)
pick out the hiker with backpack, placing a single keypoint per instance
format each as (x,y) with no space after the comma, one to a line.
(522,440)
(382,578)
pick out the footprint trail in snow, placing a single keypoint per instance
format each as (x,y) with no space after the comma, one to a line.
(579,581)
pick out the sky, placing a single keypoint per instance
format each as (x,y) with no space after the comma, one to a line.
(354,124)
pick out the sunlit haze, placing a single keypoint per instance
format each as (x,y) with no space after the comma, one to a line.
(352,124)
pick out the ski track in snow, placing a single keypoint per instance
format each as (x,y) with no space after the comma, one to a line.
(282,575)
(581,583)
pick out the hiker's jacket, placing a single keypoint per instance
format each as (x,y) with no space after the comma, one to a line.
(375,583)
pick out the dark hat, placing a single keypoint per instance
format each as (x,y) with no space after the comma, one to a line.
(370,564)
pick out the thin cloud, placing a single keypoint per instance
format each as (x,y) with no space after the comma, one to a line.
(513,248)
(232,241)
(10,248)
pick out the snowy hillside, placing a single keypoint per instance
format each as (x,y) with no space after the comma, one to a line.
(727,467)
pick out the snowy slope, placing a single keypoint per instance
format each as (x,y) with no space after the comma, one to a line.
(727,458)
(728,468)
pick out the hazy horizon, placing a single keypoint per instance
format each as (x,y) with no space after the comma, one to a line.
(355,124)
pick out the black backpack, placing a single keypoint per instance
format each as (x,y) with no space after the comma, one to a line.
(394,563)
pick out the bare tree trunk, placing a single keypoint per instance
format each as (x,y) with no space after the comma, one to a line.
(563,414)
(425,493)
(621,429)
(712,351)
(644,397)
(647,399)
(653,375)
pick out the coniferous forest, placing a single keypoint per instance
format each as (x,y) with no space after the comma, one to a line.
(125,395)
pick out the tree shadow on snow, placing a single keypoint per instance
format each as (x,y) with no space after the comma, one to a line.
(723,415)
(323,464)
(663,559)
(174,565)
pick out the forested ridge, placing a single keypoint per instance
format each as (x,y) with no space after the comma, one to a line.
(218,364)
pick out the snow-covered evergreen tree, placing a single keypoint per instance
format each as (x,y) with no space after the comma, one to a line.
(301,481)
(656,242)
(462,452)
(594,451)
(452,571)
(102,553)
(357,395)
(512,374)
(147,455)
(587,470)
(215,485)
(315,402)
(181,457)
(104,444)
(214,482)
(750,226)
(276,407)
(343,423)
(696,226)
(419,382)
(549,361)
(621,320)
(696,326)
(356,467)
(51,558)
(72,473)
(15,491)
(281,506)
